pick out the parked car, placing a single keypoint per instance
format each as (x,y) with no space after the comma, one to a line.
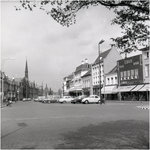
(46,100)
(65,99)
(26,99)
(36,100)
(78,99)
(91,99)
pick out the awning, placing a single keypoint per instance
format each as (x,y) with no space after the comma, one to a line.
(115,90)
(107,89)
(126,88)
(138,87)
(145,88)
(75,89)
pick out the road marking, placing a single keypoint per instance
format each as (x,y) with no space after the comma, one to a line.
(143,107)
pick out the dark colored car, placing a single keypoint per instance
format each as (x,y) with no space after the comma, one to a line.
(78,99)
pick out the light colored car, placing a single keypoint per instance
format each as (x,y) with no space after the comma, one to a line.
(65,99)
(36,100)
(91,99)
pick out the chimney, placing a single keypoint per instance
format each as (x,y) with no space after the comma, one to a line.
(86,60)
(82,62)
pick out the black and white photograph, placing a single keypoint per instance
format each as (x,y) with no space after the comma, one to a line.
(74,74)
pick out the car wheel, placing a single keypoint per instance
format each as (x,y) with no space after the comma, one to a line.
(86,102)
(49,102)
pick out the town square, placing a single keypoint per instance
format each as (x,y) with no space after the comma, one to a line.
(75,74)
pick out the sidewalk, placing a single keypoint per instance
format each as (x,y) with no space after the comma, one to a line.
(140,104)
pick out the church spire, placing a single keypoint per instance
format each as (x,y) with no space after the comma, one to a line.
(26,70)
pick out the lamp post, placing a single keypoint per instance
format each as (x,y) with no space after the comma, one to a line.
(118,81)
(99,58)
(2,95)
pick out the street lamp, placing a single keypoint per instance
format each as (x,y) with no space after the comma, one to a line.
(99,58)
(3,78)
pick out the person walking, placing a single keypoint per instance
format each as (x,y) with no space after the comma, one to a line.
(102,100)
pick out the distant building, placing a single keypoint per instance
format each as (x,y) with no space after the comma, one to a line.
(131,78)
(106,61)
(87,88)
(30,89)
(110,89)
(81,70)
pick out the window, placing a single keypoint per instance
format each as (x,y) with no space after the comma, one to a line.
(128,74)
(146,70)
(132,74)
(115,80)
(147,54)
(136,73)
(112,80)
(121,75)
(125,75)
(108,80)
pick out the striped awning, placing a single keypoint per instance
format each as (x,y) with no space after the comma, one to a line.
(126,88)
(146,87)
(138,87)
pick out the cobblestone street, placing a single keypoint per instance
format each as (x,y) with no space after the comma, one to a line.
(114,125)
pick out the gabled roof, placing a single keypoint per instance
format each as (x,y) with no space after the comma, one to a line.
(82,67)
(87,74)
(102,55)
(114,70)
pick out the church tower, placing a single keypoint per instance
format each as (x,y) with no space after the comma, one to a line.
(26,70)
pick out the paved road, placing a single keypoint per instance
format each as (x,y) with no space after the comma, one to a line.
(33,125)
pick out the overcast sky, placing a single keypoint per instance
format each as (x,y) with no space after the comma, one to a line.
(52,51)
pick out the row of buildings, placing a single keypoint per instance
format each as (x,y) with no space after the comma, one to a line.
(19,88)
(116,78)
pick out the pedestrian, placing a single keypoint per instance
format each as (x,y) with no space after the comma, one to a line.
(102,100)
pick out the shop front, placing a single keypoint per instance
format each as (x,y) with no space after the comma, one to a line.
(75,91)
(110,92)
(144,93)
(136,93)
(96,90)
(126,92)
(86,91)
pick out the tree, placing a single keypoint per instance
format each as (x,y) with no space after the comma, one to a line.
(59,92)
(132,16)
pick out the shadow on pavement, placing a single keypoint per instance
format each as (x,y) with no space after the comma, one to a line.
(123,134)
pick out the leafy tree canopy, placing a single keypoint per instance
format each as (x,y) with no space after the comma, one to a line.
(132,16)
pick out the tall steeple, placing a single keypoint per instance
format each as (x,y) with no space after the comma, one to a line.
(26,70)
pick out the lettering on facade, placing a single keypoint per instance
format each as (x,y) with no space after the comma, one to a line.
(121,66)
(128,61)
(136,63)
